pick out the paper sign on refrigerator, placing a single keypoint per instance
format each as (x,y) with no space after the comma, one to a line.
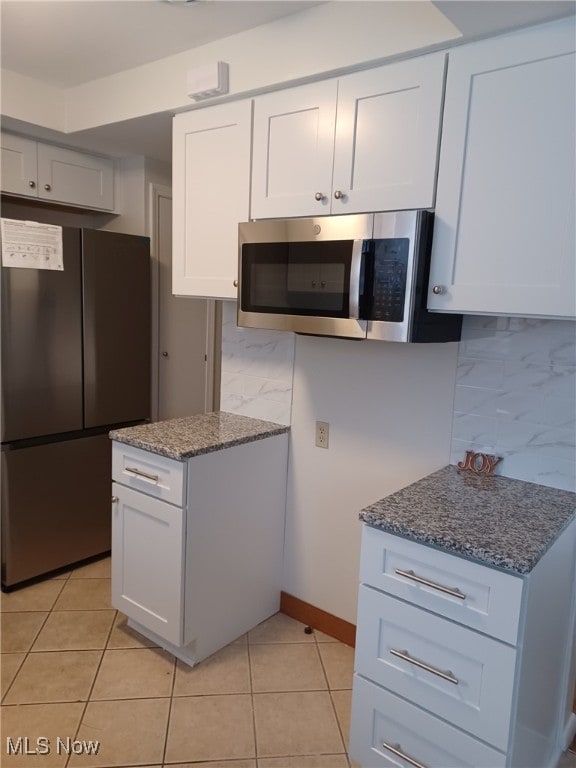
(31,245)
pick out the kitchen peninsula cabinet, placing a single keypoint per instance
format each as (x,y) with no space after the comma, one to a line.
(198,510)
(211,192)
(43,171)
(504,232)
(465,625)
(365,142)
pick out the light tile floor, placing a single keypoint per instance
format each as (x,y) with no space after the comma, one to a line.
(72,669)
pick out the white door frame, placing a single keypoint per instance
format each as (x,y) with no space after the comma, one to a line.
(155,192)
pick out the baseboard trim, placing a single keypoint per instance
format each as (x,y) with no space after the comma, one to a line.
(318,619)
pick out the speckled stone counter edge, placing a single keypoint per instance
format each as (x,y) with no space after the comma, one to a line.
(514,553)
(181,439)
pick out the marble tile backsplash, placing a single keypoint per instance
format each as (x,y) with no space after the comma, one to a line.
(516,397)
(257,370)
(515,391)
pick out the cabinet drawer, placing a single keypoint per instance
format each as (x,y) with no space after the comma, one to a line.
(461,675)
(149,473)
(379,717)
(478,596)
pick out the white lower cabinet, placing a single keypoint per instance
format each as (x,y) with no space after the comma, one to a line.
(197,544)
(148,545)
(459,664)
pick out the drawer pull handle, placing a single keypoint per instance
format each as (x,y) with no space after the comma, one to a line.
(405,656)
(396,750)
(139,473)
(448,590)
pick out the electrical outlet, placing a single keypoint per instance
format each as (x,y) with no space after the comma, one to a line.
(322,434)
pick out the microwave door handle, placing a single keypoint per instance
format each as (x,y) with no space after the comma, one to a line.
(355,270)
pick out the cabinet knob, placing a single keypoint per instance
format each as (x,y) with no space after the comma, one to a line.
(235,283)
(438,289)
(164,354)
(115,499)
(319,196)
(47,187)
(31,184)
(338,194)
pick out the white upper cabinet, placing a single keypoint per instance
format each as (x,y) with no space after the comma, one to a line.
(387,136)
(76,178)
(61,175)
(19,166)
(293,151)
(365,142)
(211,195)
(504,238)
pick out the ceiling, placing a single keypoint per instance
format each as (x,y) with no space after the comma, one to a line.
(69,42)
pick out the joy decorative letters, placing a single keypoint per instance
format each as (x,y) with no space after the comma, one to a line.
(479,463)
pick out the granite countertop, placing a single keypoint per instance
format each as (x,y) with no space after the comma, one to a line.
(498,521)
(191,436)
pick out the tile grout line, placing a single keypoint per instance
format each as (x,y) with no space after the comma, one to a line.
(27,653)
(81,720)
(343,740)
(174,670)
(253,708)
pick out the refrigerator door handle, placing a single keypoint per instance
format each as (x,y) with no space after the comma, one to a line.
(139,473)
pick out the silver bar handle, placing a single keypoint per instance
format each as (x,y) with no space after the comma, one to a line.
(355,268)
(454,592)
(396,750)
(405,656)
(139,473)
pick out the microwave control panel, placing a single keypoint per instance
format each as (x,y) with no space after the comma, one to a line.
(389,282)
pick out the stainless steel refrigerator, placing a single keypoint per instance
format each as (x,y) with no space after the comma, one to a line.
(75,363)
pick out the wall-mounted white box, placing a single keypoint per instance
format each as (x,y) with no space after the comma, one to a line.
(207,80)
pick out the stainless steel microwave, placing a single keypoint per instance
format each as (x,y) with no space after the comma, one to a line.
(357,277)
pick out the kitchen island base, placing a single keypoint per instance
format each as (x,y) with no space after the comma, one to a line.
(197,544)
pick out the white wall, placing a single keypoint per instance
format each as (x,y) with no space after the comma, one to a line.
(516,397)
(133,176)
(327,38)
(389,407)
(396,413)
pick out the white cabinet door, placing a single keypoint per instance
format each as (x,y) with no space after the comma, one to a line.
(387,134)
(211,195)
(38,170)
(504,239)
(389,732)
(148,561)
(293,151)
(19,165)
(67,176)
